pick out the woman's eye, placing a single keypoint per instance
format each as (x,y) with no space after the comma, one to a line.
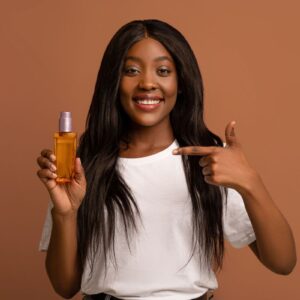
(164,71)
(130,71)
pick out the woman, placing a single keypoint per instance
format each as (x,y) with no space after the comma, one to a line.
(140,219)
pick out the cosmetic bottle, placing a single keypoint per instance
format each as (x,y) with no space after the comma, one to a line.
(65,148)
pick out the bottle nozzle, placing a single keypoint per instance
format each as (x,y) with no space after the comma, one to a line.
(65,122)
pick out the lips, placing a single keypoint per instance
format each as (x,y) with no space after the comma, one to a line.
(143,101)
(147,97)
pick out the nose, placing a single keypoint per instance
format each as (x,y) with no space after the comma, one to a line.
(148,82)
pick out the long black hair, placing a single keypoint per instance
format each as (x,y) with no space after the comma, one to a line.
(107,192)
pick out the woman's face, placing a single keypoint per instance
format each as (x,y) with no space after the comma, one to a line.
(148,87)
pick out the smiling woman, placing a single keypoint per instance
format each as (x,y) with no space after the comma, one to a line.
(157,193)
(148,87)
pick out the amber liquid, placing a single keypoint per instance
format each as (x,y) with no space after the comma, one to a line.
(65,152)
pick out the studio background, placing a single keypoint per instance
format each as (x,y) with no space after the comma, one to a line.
(248,52)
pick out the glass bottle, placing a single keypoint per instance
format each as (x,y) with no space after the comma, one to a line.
(65,148)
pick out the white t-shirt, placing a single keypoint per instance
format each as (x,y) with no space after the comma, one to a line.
(155,267)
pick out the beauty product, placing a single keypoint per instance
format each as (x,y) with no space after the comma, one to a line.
(65,148)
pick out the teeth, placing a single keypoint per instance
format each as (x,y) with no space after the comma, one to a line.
(148,101)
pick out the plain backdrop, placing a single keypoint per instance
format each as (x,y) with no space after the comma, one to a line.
(248,52)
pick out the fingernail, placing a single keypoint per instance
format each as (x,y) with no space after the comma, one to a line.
(53,168)
(52,157)
(175,151)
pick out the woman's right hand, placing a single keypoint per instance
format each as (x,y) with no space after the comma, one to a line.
(66,197)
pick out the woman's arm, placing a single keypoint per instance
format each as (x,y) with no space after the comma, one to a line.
(275,245)
(62,263)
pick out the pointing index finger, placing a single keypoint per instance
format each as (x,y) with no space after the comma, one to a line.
(194,150)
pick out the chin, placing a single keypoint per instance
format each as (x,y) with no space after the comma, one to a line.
(150,122)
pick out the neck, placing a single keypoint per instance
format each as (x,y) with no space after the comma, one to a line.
(147,137)
(151,136)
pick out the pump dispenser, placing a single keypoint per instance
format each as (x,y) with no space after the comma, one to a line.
(65,148)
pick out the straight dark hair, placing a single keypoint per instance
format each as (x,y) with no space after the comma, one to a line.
(107,125)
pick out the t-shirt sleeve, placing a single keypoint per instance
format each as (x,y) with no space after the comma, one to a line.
(46,232)
(237,226)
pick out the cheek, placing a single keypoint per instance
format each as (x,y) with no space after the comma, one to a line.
(170,86)
(126,86)
(125,92)
(170,89)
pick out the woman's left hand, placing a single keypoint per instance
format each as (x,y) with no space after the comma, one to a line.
(225,166)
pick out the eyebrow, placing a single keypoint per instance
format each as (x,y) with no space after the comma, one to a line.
(159,58)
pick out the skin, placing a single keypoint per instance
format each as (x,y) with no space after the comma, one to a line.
(274,245)
(149,134)
(149,68)
(62,263)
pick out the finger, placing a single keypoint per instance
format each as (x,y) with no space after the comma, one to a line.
(47,178)
(207,171)
(195,150)
(49,154)
(209,179)
(46,174)
(213,179)
(45,163)
(230,136)
(205,160)
(79,175)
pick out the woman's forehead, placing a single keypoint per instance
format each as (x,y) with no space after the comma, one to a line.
(149,49)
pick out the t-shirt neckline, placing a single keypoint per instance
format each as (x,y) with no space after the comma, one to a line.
(150,158)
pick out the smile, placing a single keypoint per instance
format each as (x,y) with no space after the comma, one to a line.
(147,101)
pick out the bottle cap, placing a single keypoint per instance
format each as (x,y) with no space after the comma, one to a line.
(65,122)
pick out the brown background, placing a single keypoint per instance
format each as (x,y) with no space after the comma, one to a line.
(248,52)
